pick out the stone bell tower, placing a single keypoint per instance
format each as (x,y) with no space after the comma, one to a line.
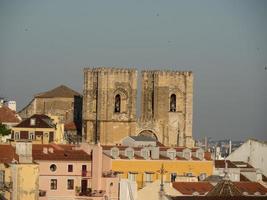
(167,106)
(109,106)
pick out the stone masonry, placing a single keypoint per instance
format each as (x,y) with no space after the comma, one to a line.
(109,112)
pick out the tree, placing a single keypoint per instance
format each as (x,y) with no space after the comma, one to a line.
(4,130)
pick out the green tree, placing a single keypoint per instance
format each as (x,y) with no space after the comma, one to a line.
(4,130)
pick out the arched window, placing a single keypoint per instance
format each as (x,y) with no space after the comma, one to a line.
(173,103)
(117,103)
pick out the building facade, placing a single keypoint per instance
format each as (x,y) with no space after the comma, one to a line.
(109,107)
(109,112)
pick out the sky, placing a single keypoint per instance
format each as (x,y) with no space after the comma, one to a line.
(44,44)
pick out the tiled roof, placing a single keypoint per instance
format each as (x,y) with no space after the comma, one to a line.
(8,116)
(251,188)
(189,188)
(60,152)
(41,121)
(243,178)
(70,126)
(7,153)
(225,188)
(218,198)
(221,164)
(60,91)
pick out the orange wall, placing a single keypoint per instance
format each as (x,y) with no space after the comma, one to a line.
(171,166)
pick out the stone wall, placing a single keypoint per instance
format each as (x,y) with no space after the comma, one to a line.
(170,127)
(101,85)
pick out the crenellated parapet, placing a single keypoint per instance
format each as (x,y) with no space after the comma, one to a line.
(110,69)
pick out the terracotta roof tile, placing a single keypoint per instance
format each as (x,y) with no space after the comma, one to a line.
(251,188)
(188,188)
(41,121)
(7,153)
(8,116)
(60,152)
(221,164)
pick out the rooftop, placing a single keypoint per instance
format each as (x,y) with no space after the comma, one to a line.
(7,115)
(190,188)
(60,91)
(41,121)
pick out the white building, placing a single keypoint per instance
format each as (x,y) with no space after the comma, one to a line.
(253,152)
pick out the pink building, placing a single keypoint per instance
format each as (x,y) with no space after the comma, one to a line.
(73,173)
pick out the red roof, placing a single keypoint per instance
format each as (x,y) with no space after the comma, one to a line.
(8,116)
(70,126)
(221,164)
(251,188)
(188,188)
(58,152)
(41,121)
(7,153)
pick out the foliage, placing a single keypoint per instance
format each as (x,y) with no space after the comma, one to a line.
(4,130)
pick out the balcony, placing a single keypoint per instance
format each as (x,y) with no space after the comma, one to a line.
(86,174)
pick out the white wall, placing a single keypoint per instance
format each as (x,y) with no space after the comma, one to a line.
(252,152)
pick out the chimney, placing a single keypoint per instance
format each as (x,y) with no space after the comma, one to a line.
(24,151)
(51,150)
(45,151)
(97,168)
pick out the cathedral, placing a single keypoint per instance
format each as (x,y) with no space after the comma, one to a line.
(110,101)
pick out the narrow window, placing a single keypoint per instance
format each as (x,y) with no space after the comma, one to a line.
(70,168)
(70,184)
(117,103)
(53,184)
(173,103)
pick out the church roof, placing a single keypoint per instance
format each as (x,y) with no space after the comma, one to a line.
(60,91)
(225,188)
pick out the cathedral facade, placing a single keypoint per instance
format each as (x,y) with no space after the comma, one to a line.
(109,106)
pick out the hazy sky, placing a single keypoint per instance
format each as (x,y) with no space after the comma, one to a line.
(47,43)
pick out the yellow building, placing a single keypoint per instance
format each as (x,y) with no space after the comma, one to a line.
(39,129)
(143,164)
(18,174)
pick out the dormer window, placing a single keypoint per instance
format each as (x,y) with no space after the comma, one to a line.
(32,122)
(171,153)
(145,153)
(173,103)
(114,152)
(129,152)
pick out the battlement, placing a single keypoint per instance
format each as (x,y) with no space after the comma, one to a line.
(166,72)
(110,69)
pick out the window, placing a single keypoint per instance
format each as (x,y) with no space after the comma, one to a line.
(70,168)
(173,103)
(32,122)
(53,184)
(17,136)
(70,184)
(173,177)
(117,108)
(32,136)
(148,177)
(132,176)
(53,167)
